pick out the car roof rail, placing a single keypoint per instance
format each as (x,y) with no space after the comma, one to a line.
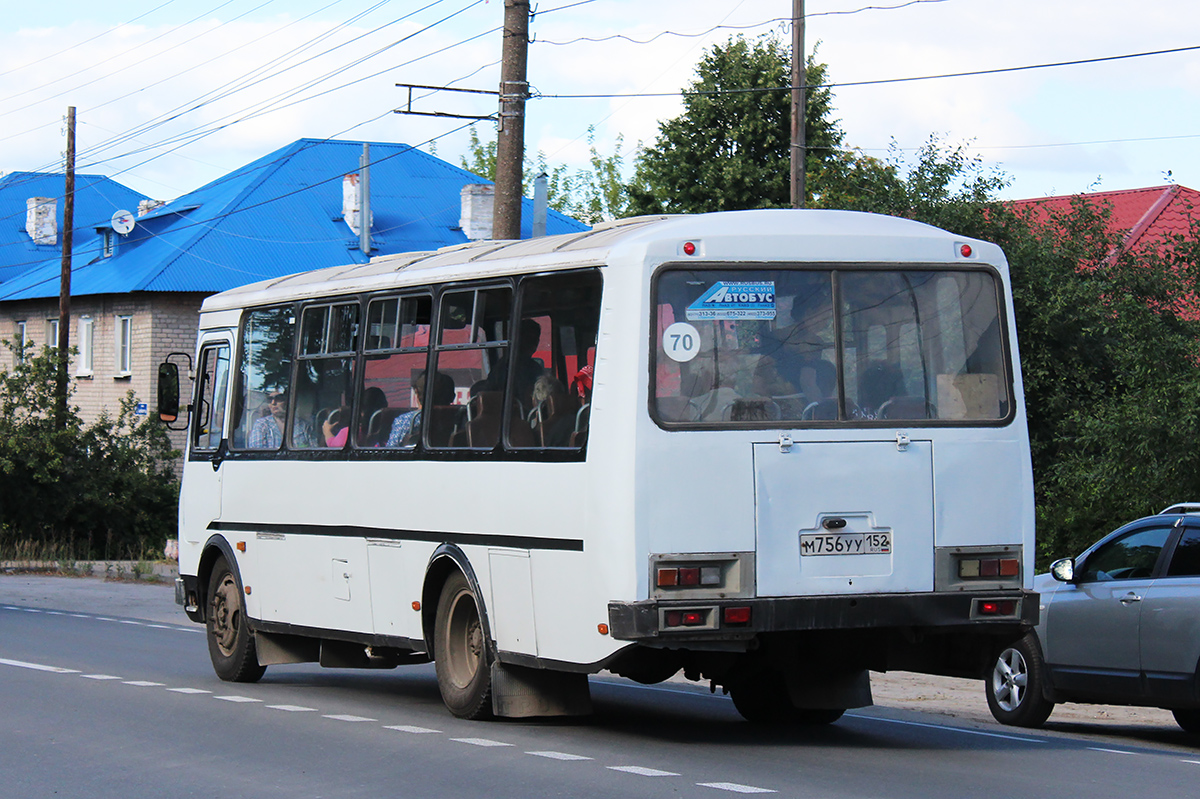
(1181,507)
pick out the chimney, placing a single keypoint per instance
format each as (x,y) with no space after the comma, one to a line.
(146,206)
(351,210)
(478,200)
(40,221)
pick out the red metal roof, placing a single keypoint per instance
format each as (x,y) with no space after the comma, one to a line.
(1148,214)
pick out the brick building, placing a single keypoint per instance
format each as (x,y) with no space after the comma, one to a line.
(136,291)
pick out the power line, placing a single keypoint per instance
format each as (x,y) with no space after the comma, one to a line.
(878,82)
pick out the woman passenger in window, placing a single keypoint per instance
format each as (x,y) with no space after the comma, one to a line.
(406,425)
(267,432)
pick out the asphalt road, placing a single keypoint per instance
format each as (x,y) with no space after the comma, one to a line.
(106,691)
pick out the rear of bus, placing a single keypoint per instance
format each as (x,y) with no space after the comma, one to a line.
(833,470)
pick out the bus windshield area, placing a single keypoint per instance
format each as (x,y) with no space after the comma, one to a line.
(835,345)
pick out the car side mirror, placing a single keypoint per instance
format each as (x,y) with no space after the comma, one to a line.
(1063,570)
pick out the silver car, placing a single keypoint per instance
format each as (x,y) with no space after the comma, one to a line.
(1120,625)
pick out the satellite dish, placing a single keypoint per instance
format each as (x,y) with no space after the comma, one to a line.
(122,222)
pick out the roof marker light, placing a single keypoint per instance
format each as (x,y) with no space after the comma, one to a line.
(966,250)
(689,248)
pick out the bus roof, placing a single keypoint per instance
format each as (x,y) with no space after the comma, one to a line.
(756,236)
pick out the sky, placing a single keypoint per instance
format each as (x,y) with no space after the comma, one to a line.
(172,94)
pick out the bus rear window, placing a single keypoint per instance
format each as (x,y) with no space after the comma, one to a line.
(816,346)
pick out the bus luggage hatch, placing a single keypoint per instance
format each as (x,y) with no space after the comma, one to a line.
(844,517)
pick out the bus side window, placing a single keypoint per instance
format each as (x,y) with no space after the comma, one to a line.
(209,420)
(396,357)
(560,315)
(265,374)
(325,378)
(471,354)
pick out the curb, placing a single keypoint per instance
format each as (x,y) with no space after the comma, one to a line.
(116,570)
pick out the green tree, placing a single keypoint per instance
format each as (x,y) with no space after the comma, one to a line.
(731,147)
(591,194)
(102,490)
(1109,343)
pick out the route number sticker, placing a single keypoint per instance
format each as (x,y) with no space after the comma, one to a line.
(681,342)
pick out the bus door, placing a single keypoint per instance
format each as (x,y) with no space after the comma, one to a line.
(844,517)
(200,496)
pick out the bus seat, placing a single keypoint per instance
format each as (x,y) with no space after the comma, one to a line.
(904,408)
(821,410)
(380,426)
(678,409)
(582,417)
(751,410)
(483,419)
(444,420)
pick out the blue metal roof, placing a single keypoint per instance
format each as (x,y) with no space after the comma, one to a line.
(97,198)
(276,216)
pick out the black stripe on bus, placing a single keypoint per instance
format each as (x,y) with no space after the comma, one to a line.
(353,531)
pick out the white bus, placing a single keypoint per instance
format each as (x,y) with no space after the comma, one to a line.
(773,450)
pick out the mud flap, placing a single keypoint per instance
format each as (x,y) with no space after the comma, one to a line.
(836,691)
(520,692)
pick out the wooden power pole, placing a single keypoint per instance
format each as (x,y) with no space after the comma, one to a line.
(64,288)
(510,138)
(799,63)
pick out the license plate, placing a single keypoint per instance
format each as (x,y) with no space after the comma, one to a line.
(846,544)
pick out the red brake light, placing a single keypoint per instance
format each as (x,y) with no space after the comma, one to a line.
(737,615)
(692,618)
(689,576)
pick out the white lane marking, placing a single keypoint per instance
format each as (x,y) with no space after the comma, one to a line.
(963,730)
(293,708)
(410,728)
(479,742)
(236,699)
(144,683)
(55,613)
(1194,762)
(733,786)
(128,621)
(642,771)
(189,691)
(11,607)
(99,677)
(103,618)
(558,756)
(79,616)
(29,610)
(161,626)
(37,667)
(1111,751)
(341,717)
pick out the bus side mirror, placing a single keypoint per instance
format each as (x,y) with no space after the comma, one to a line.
(168,392)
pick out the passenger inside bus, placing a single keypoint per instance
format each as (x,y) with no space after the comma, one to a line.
(406,427)
(267,432)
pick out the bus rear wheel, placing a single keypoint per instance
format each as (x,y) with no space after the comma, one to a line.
(460,652)
(230,641)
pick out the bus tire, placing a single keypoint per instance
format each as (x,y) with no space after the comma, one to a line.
(460,651)
(230,640)
(1015,686)
(1187,719)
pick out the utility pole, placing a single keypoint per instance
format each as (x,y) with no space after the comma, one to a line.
(799,63)
(510,137)
(64,289)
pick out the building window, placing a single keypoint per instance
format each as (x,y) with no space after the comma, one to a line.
(87,330)
(22,338)
(108,244)
(123,335)
(52,333)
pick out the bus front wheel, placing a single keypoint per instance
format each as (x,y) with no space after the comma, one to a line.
(230,641)
(460,652)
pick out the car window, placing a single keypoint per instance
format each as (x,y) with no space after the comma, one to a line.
(1127,557)
(1185,562)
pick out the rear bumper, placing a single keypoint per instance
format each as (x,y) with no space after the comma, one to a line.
(649,620)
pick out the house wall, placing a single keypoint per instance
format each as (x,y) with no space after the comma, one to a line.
(161,324)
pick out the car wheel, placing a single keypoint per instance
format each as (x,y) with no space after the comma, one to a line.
(230,640)
(1016,683)
(1189,720)
(460,652)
